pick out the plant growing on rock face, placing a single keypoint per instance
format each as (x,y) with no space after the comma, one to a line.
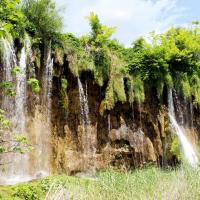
(97,44)
(8,88)
(64,85)
(17,144)
(34,83)
(174,149)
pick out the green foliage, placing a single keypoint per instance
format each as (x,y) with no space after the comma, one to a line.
(148,183)
(28,192)
(97,45)
(34,83)
(18,143)
(15,70)
(64,85)
(175,149)
(99,33)
(170,59)
(4,123)
(135,89)
(8,88)
(114,92)
(43,18)
(11,18)
(79,59)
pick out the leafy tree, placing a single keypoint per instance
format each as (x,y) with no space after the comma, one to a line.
(11,18)
(97,44)
(43,18)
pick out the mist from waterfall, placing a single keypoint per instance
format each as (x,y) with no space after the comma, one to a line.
(187,148)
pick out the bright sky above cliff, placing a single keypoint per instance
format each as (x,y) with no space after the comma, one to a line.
(133,18)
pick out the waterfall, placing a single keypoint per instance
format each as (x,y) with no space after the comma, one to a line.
(83,104)
(9,61)
(20,97)
(17,168)
(188,150)
(20,162)
(43,120)
(85,118)
(47,84)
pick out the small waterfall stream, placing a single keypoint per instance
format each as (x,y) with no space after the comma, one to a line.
(188,150)
(86,141)
(43,120)
(9,61)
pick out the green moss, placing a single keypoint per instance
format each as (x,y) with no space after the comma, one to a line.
(174,149)
(34,83)
(64,85)
(135,89)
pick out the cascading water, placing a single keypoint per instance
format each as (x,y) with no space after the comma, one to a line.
(9,61)
(43,121)
(88,140)
(47,83)
(187,147)
(85,118)
(17,170)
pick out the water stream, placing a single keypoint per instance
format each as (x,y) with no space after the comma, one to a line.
(17,168)
(188,150)
(25,167)
(9,61)
(85,119)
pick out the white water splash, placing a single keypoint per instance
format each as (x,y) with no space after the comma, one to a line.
(188,150)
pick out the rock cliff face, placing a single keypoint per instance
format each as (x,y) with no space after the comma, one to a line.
(76,138)
(126,137)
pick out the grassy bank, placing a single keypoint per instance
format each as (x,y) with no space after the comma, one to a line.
(150,183)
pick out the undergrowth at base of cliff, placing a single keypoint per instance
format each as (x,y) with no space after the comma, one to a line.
(149,183)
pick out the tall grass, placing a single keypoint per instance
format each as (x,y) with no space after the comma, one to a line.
(144,184)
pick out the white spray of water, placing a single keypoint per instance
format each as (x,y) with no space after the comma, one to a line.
(85,118)
(9,60)
(187,147)
(47,84)
(17,171)
(44,133)
(20,97)
(83,104)
(20,165)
